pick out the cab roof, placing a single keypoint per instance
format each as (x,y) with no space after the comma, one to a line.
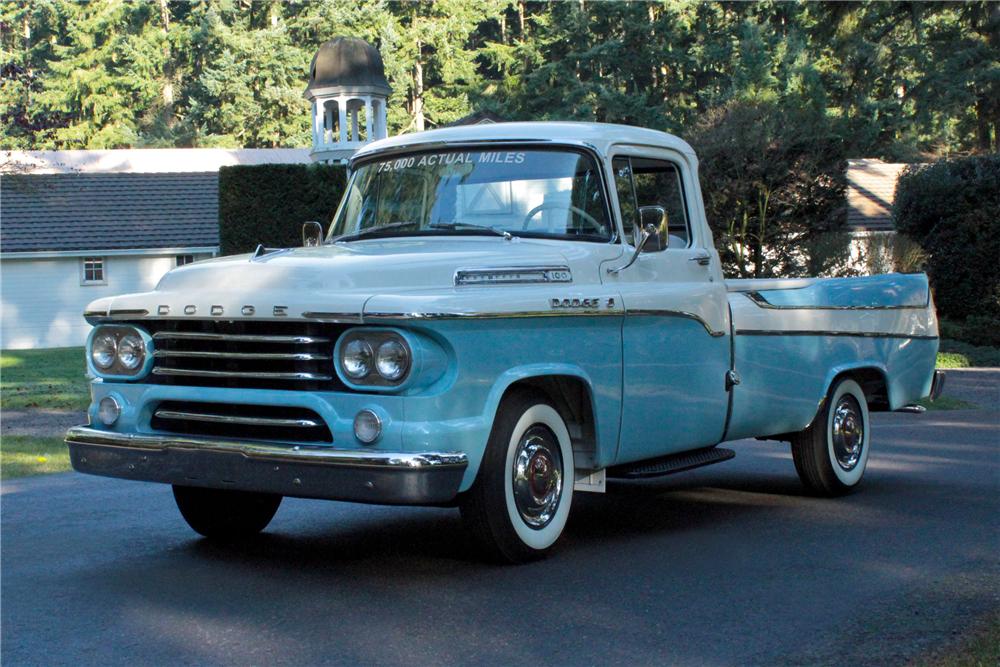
(600,136)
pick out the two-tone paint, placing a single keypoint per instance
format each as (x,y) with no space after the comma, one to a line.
(672,357)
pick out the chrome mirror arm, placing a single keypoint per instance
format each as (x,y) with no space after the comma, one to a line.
(644,237)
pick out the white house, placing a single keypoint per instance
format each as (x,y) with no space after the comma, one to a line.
(79,225)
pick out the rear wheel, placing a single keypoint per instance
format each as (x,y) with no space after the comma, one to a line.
(521,499)
(831,455)
(225,515)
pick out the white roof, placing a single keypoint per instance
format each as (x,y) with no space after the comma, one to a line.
(149,160)
(599,135)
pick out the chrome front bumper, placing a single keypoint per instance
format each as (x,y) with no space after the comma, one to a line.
(369,476)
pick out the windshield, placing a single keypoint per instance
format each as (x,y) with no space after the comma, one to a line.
(538,193)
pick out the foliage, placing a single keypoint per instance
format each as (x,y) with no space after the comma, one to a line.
(892,252)
(24,455)
(975,330)
(956,354)
(952,209)
(774,189)
(268,203)
(900,78)
(54,378)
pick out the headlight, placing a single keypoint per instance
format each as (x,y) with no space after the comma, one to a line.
(374,358)
(104,350)
(119,351)
(356,359)
(131,351)
(392,360)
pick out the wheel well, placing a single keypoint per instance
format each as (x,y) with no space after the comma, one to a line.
(572,399)
(873,383)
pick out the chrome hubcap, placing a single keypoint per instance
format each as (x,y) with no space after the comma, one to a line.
(537,476)
(848,432)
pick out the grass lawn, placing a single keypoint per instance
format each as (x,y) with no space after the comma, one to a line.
(979,648)
(55,378)
(947,403)
(24,455)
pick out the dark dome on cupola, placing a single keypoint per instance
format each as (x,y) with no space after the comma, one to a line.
(349,65)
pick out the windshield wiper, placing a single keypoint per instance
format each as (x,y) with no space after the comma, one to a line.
(470,227)
(374,230)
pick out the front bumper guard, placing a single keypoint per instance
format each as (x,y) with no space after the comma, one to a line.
(304,471)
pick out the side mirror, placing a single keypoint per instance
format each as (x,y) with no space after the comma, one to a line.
(312,234)
(655,217)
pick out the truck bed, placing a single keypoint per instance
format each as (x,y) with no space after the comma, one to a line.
(792,337)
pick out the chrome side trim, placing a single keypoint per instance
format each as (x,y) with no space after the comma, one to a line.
(761,301)
(855,334)
(324,455)
(238,338)
(231,419)
(126,313)
(336,318)
(513,275)
(494,315)
(191,372)
(653,312)
(289,356)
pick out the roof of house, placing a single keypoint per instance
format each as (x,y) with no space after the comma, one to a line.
(108,211)
(145,160)
(871,188)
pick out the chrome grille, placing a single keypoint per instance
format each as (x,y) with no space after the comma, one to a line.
(266,355)
(246,422)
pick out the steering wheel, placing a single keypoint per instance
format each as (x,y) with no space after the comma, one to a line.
(552,206)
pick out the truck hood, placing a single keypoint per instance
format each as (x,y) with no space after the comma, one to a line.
(340,278)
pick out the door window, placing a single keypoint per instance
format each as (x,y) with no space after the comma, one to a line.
(646,182)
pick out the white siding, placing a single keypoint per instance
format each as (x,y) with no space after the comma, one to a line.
(43,300)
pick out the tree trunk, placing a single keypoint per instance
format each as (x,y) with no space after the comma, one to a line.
(418,90)
(168,66)
(983,122)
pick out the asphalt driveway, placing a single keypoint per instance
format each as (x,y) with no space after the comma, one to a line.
(729,564)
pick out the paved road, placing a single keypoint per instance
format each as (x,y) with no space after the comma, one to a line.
(726,565)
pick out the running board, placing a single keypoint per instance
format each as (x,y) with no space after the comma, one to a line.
(667,465)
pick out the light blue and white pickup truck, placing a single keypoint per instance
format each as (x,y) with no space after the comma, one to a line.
(499,317)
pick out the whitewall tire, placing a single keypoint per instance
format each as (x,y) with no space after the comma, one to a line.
(832,454)
(518,507)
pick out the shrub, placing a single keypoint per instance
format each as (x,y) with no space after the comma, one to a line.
(774,182)
(889,252)
(952,209)
(268,203)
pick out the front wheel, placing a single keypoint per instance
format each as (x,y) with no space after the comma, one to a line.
(223,514)
(831,455)
(520,502)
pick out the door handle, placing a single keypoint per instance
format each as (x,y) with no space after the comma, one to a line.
(703,259)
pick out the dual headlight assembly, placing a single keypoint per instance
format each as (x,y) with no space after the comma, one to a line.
(373,358)
(119,352)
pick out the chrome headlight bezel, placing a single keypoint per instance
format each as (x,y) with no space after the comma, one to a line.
(373,340)
(136,339)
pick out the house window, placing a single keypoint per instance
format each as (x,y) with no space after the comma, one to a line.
(92,271)
(184,259)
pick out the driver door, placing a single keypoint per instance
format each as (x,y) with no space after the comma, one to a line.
(676,329)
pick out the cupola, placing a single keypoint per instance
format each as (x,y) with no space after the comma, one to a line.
(348,91)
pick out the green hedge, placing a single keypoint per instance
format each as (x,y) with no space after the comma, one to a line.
(952,209)
(268,203)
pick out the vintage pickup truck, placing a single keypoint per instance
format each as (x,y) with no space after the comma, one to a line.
(499,316)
